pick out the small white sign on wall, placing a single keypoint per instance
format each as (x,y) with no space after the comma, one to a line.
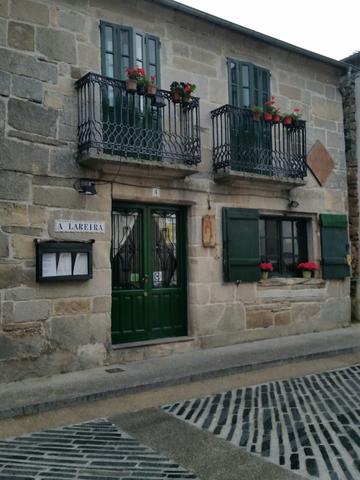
(74,226)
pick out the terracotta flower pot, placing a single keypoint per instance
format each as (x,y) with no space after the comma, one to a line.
(276,118)
(151,90)
(175,96)
(131,85)
(287,120)
(268,117)
(306,274)
(264,275)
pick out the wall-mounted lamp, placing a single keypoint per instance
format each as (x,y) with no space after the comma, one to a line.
(293,204)
(85,187)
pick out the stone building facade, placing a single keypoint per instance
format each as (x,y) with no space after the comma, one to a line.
(351,103)
(47,46)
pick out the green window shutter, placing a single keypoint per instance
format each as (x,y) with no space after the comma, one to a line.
(241,255)
(334,246)
(249,85)
(261,90)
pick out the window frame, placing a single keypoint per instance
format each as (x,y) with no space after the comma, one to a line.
(280,237)
(257,96)
(119,67)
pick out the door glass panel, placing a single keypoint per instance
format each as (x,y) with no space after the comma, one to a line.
(164,250)
(139,50)
(109,64)
(126,251)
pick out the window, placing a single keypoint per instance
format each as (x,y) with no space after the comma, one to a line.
(283,242)
(249,84)
(123,47)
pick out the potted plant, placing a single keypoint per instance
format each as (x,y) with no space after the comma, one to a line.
(296,116)
(287,119)
(132,80)
(276,115)
(142,81)
(187,89)
(257,112)
(307,268)
(269,109)
(151,87)
(176,91)
(265,268)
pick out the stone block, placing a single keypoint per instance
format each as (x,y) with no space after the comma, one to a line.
(232,318)
(304,312)
(203,56)
(187,65)
(259,319)
(14,275)
(326,109)
(19,345)
(4,245)
(29,11)
(89,57)
(3,31)
(222,293)
(181,49)
(336,312)
(282,318)
(2,117)
(30,117)
(218,91)
(72,331)
(91,356)
(14,186)
(4,8)
(204,318)
(57,45)
(27,88)
(23,246)
(21,36)
(101,251)
(24,157)
(22,64)
(293,93)
(102,304)
(4,84)
(34,138)
(245,292)
(316,87)
(72,21)
(31,311)
(73,305)
(57,197)
(13,214)
(19,294)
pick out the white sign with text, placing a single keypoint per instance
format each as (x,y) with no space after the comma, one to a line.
(74,226)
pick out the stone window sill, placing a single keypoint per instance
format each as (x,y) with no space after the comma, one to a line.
(292,282)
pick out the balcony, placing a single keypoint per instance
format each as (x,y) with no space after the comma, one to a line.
(249,150)
(135,134)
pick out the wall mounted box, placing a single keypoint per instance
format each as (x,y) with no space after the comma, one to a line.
(63,260)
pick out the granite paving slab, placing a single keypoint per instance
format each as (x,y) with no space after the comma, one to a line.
(96,450)
(308,425)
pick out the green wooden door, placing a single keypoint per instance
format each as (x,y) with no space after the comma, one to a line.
(148,257)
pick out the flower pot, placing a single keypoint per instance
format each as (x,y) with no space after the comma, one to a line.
(151,90)
(276,118)
(264,275)
(131,85)
(175,96)
(186,100)
(268,117)
(141,89)
(287,121)
(306,274)
(256,116)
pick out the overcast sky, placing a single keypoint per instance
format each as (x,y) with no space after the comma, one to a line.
(329,28)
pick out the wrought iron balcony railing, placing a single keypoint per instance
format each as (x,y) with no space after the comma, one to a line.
(116,122)
(242,143)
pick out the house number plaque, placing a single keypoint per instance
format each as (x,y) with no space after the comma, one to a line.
(208,231)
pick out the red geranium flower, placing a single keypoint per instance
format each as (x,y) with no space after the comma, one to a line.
(311,266)
(266,267)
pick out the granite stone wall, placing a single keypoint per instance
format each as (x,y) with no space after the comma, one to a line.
(44,47)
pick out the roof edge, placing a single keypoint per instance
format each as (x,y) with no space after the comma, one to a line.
(252,33)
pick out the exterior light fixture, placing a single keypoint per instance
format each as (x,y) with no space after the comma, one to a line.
(85,187)
(293,204)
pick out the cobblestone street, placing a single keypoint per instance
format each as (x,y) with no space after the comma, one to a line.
(88,451)
(309,425)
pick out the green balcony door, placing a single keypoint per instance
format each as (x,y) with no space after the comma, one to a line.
(148,257)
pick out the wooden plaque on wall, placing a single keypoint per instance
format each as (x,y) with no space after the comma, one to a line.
(208,231)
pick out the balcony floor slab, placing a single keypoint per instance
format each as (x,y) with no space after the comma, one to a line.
(129,166)
(235,178)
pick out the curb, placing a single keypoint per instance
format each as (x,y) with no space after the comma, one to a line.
(35,408)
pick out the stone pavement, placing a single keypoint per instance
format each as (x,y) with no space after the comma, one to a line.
(41,394)
(309,425)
